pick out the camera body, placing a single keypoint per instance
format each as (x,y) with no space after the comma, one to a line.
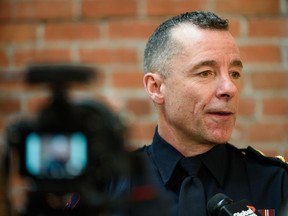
(71,147)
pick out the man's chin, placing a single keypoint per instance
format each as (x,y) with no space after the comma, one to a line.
(216,142)
(222,135)
(219,139)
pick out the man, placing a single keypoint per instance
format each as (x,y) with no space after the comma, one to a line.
(193,74)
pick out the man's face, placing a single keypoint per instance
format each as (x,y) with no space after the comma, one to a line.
(201,93)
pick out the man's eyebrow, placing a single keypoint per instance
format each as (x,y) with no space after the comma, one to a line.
(210,63)
(237,63)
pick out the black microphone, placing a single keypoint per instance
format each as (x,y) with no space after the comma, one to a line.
(221,205)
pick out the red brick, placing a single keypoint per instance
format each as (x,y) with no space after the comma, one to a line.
(239,131)
(247,6)
(275,106)
(263,54)
(2,128)
(113,104)
(274,27)
(11,81)
(234,27)
(92,85)
(14,85)
(168,7)
(131,29)
(71,31)
(14,80)
(286,155)
(286,51)
(247,107)
(106,56)
(3,59)
(36,104)
(270,80)
(17,33)
(8,105)
(108,8)
(142,131)
(45,9)
(127,80)
(23,57)
(139,106)
(6,10)
(267,132)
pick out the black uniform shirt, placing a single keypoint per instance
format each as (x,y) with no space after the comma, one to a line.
(239,174)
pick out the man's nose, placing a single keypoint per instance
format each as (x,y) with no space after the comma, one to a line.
(226,88)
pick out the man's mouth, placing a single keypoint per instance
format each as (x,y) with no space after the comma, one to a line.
(224,113)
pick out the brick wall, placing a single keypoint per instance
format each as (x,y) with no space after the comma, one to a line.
(111,34)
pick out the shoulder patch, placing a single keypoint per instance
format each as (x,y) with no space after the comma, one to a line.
(277,160)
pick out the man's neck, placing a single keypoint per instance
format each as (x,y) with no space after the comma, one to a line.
(187,147)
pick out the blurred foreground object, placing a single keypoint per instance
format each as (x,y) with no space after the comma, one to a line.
(71,149)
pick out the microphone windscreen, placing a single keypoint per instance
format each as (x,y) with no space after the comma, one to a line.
(217,202)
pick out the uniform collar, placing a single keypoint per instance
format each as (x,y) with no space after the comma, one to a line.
(166,158)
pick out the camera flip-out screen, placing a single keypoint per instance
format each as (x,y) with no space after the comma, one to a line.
(56,156)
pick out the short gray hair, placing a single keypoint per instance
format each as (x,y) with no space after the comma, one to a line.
(160,47)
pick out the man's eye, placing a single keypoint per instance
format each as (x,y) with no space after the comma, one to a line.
(205,73)
(235,75)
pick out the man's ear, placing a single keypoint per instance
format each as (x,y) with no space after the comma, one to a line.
(153,86)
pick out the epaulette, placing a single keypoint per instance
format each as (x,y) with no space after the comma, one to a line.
(277,160)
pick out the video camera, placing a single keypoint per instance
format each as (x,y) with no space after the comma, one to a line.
(71,147)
